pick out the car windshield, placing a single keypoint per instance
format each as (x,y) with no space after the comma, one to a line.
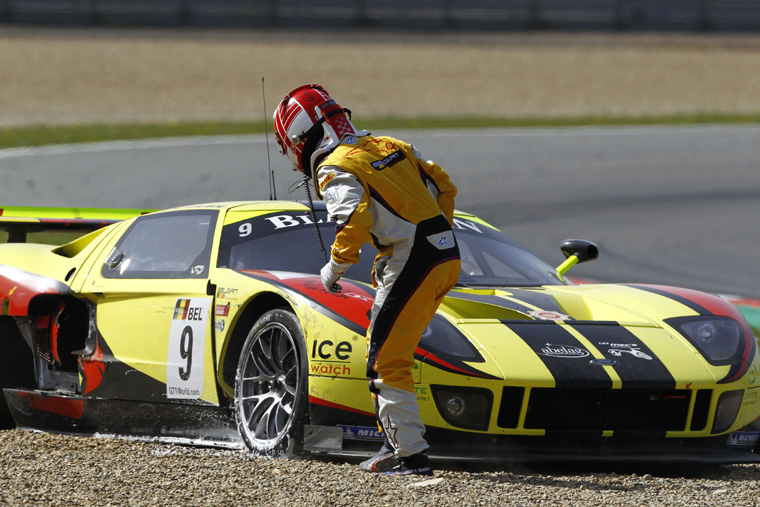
(287,241)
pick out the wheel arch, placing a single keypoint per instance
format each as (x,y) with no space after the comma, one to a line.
(52,334)
(254,309)
(67,316)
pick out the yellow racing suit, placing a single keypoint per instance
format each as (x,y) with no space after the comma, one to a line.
(378,190)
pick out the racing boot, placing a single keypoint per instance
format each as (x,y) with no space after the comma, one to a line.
(416,464)
(384,460)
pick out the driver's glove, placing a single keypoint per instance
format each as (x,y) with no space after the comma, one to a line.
(331,273)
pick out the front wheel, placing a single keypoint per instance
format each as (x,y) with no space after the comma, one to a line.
(271,405)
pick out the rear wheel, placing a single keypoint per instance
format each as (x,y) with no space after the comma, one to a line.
(271,403)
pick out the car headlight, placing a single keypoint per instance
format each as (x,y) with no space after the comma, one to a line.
(719,339)
(443,339)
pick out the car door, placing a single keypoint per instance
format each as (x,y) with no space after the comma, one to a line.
(152,309)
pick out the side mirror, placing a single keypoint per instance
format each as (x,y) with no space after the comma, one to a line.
(575,251)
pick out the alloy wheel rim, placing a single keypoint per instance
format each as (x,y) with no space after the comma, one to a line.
(269,384)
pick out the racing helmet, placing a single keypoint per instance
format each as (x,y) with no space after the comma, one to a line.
(309,123)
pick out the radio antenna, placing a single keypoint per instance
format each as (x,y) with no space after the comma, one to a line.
(272,190)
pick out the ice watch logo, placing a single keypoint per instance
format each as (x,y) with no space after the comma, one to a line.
(326,350)
(390,160)
(566,351)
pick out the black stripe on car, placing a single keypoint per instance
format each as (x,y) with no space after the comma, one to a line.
(568,360)
(634,362)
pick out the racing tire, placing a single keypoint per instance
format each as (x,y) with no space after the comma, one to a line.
(271,402)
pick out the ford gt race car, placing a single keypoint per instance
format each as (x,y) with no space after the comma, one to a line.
(209,324)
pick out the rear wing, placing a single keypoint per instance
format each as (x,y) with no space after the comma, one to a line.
(19,221)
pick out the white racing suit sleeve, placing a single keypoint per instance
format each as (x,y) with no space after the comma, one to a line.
(343,195)
(341,191)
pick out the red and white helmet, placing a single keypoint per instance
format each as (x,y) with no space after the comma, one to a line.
(309,123)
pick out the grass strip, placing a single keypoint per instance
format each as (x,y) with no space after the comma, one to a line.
(11,137)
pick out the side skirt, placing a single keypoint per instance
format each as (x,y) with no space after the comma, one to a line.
(165,422)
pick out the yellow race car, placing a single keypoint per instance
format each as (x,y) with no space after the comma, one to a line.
(209,324)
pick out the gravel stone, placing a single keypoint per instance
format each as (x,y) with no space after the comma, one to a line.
(50,469)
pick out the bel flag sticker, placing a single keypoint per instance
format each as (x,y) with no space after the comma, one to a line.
(187,339)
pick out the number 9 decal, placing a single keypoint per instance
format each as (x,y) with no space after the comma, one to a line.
(186,352)
(187,344)
(245,229)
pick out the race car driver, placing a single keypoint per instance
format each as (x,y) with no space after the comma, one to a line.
(379,190)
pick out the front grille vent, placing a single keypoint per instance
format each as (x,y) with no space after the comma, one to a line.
(576,410)
(511,404)
(701,410)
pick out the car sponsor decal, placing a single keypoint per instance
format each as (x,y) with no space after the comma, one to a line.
(604,362)
(635,363)
(327,350)
(227,293)
(265,225)
(548,315)
(565,356)
(743,438)
(564,351)
(330,358)
(371,433)
(572,364)
(187,339)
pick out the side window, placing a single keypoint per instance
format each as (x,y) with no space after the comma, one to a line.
(166,245)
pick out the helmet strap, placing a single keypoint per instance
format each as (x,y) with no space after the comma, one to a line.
(309,145)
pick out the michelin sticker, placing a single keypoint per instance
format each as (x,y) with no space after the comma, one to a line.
(187,337)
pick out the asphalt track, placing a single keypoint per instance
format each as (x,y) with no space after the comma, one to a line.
(667,205)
